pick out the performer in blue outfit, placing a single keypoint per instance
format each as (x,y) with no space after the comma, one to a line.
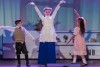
(48,35)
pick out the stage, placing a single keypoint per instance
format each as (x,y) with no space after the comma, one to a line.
(37,25)
(60,63)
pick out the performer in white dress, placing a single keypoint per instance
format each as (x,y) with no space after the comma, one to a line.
(48,35)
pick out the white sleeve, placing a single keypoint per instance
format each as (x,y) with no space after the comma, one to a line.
(38,12)
(55,11)
(1,27)
(9,28)
(76,30)
(28,34)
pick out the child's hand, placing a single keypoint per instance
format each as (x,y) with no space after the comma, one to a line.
(33,40)
(67,42)
(1,27)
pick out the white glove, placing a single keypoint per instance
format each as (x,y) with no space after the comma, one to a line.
(62,1)
(32,3)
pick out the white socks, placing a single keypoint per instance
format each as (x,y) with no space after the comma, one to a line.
(74,60)
(84,60)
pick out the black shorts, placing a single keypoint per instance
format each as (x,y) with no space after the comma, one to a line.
(20,47)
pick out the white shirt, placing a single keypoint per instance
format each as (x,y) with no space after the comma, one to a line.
(48,33)
(12,29)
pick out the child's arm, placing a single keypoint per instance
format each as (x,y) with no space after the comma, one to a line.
(9,28)
(76,13)
(28,34)
(70,39)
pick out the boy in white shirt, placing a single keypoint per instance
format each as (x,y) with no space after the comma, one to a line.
(19,37)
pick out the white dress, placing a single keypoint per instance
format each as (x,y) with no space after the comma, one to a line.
(48,33)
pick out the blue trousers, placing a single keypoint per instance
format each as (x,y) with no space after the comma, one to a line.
(47,53)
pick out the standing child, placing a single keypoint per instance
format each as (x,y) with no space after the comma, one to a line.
(19,37)
(79,41)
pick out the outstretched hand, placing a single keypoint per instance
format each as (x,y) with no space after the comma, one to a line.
(32,3)
(33,40)
(67,43)
(1,27)
(62,1)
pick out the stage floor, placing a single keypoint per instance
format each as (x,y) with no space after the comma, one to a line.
(60,63)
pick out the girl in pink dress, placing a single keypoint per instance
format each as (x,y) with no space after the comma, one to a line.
(79,41)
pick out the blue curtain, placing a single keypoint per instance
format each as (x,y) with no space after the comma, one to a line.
(9,12)
(90,9)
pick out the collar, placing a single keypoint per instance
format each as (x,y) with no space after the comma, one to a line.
(18,26)
(47,16)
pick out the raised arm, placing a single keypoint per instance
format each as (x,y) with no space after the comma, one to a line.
(37,10)
(76,13)
(57,8)
(28,34)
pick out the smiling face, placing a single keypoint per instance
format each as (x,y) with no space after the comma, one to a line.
(47,12)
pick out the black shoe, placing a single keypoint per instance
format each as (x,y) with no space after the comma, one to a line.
(18,65)
(45,65)
(27,65)
(73,63)
(84,64)
(65,66)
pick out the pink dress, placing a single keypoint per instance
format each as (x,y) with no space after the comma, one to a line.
(79,43)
